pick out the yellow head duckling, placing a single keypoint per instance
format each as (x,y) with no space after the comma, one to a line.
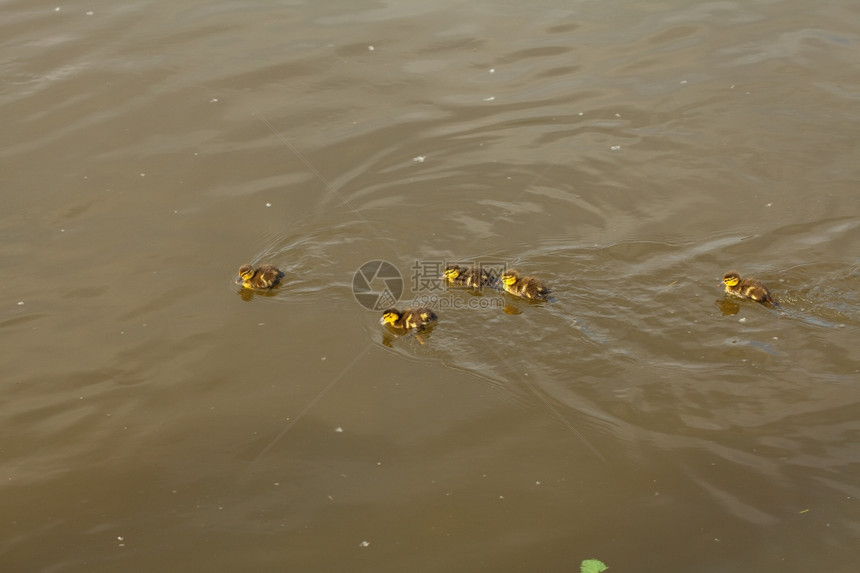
(524,287)
(747,288)
(472,277)
(418,318)
(263,277)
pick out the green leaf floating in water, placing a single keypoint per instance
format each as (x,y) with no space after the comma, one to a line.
(592,566)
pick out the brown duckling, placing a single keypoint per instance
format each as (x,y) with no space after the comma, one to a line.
(752,289)
(524,287)
(472,277)
(418,318)
(263,277)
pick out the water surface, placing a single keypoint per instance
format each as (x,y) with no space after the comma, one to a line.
(157,419)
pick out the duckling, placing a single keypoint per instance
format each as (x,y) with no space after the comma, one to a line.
(752,289)
(524,287)
(263,277)
(418,318)
(473,277)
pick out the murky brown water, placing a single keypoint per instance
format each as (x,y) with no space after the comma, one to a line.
(155,419)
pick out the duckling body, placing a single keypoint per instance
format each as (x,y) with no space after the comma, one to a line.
(263,277)
(418,318)
(524,287)
(751,289)
(472,277)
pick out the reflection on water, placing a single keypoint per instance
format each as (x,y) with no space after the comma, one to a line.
(157,415)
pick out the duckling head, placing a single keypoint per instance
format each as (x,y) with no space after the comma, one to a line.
(451,272)
(509,277)
(731,278)
(246,272)
(390,316)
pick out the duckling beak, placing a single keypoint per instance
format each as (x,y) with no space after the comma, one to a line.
(382,321)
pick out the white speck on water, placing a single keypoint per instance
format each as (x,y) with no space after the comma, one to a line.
(213,100)
(580,114)
(261,324)
(323,358)
(491,98)
(57,9)
(501,497)
(338,429)
(615,148)
(617,115)
(769,205)
(20,303)
(419,158)
(364,544)
(62,230)
(90,12)
(143,174)
(277,483)
(268,204)
(371,48)
(744,319)
(492,70)
(683,82)
(537,483)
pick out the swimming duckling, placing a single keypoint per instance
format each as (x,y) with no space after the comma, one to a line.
(418,318)
(263,277)
(524,287)
(472,277)
(747,288)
